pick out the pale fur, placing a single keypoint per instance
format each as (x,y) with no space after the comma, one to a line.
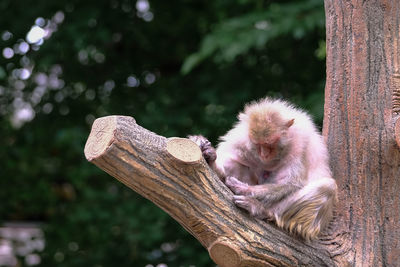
(300,193)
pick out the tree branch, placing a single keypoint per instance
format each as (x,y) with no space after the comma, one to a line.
(173,174)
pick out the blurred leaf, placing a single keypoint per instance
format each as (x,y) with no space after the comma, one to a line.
(321,50)
(237,35)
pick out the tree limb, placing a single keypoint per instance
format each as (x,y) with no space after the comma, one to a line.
(172,173)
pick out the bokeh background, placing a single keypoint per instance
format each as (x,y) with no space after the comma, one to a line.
(178,67)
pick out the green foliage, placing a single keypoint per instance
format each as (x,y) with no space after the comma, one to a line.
(238,35)
(321,51)
(120,57)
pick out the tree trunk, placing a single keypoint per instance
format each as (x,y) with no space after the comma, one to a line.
(362,104)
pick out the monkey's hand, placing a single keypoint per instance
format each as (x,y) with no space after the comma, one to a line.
(253,206)
(206,148)
(237,187)
(245,199)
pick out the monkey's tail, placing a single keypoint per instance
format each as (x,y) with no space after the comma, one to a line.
(309,210)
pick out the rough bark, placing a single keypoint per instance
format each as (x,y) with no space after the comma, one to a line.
(173,174)
(362,104)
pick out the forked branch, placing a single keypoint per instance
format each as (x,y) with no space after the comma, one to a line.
(172,173)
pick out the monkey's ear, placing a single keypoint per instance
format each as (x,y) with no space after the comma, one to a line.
(289,123)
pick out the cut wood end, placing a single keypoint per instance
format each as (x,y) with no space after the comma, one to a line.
(224,254)
(184,150)
(397,132)
(100,137)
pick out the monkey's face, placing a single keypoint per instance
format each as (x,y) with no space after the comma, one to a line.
(267,149)
(268,134)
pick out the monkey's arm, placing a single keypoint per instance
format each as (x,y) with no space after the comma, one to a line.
(266,193)
(258,199)
(284,182)
(223,164)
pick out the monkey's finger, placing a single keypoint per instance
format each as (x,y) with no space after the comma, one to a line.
(241,200)
(232,181)
(209,154)
(237,186)
(242,204)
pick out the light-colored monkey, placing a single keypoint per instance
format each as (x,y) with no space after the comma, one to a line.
(276,163)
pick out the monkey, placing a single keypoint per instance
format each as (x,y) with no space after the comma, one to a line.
(275,162)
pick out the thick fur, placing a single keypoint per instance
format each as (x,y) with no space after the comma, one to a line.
(294,188)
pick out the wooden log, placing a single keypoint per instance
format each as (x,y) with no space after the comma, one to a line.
(172,173)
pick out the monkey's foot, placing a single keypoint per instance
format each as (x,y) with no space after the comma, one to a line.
(253,206)
(206,148)
(237,187)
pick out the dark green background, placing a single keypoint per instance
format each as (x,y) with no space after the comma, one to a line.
(197,62)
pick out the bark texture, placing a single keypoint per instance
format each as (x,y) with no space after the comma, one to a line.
(173,174)
(362,105)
